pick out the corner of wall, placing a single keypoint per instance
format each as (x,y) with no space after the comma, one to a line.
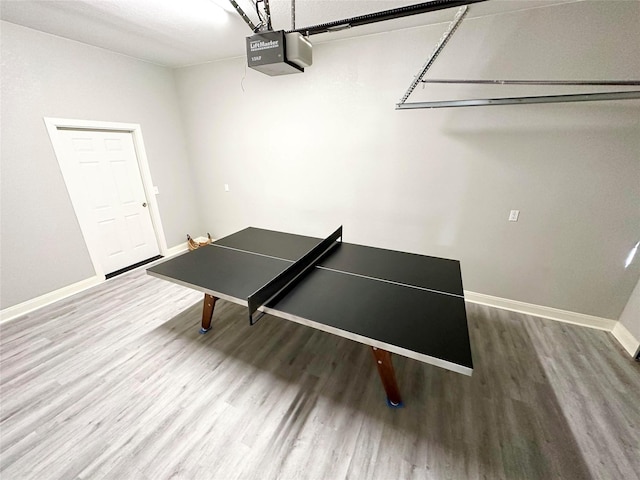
(626,339)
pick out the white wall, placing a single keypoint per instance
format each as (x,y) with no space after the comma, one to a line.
(47,76)
(305,153)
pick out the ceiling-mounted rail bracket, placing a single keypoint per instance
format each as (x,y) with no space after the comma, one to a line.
(462,11)
(572,97)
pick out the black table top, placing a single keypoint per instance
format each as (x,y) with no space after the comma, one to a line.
(408,304)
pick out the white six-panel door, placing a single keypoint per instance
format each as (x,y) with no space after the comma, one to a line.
(104,181)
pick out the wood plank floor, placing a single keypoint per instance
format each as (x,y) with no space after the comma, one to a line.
(117,383)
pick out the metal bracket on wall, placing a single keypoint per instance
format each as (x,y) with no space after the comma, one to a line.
(574,97)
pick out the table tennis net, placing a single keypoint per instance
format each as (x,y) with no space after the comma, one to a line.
(280,285)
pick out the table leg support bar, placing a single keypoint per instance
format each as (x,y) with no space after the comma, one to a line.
(207,312)
(388,376)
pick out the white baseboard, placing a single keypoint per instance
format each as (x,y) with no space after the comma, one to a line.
(48,298)
(626,339)
(543,312)
(23,308)
(177,250)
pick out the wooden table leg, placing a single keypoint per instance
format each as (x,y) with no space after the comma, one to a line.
(388,376)
(207,312)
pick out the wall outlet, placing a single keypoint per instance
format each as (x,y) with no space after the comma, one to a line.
(513,216)
(226,187)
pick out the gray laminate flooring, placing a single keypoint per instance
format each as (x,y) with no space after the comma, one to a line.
(117,383)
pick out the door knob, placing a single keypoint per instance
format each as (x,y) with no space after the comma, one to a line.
(144,204)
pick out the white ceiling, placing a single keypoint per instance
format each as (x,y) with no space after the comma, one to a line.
(185,32)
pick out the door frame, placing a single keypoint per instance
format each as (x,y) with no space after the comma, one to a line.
(53,124)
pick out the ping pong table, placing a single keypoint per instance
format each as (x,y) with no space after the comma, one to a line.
(395,302)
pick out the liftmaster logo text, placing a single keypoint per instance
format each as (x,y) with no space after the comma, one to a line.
(262,45)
